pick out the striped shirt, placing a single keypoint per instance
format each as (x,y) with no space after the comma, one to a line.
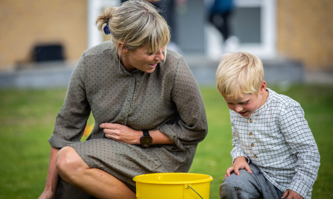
(278,140)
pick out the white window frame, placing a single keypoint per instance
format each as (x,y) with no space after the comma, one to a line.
(267,47)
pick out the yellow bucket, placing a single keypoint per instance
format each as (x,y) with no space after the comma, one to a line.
(172,186)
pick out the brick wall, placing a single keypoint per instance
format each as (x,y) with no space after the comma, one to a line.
(305,32)
(25,23)
(304,29)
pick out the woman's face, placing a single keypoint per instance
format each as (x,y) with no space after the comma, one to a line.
(141,59)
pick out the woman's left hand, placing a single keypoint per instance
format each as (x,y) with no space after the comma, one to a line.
(121,133)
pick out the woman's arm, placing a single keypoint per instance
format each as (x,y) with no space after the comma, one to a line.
(189,126)
(72,118)
(122,133)
(52,176)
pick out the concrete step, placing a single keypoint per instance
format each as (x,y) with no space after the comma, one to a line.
(276,70)
(57,74)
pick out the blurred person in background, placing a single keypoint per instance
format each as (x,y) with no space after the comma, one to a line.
(148,110)
(219,15)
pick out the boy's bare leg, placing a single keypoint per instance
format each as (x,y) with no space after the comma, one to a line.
(95,182)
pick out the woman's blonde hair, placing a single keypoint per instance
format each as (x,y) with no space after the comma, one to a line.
(239,73)
(135,23)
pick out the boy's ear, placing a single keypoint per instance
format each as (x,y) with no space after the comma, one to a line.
(263,87)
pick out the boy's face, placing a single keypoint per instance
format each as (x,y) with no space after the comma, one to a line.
(248,103)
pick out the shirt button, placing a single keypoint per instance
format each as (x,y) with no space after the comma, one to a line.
(252,145)
(251,120)
(250,133)
(255,156)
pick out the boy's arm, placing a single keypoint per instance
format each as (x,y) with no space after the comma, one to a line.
(302,144)
(237,149)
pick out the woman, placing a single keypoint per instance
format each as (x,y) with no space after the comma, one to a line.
(148,110)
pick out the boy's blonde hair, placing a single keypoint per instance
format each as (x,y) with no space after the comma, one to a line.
(135,23)
(239,73)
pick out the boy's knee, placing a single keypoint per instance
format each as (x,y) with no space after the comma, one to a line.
(235,186)
(229,187)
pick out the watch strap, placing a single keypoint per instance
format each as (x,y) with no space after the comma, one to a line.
(145,133)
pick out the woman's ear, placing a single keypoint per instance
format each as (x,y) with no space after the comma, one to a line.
(122,47)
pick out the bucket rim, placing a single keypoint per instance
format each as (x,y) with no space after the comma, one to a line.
(139,179)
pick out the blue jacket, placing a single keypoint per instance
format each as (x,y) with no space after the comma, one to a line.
(222,6)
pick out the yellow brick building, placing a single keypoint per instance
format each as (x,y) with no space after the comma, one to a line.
(304,31)
(25,23)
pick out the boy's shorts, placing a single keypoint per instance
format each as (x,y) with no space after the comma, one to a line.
(248,185)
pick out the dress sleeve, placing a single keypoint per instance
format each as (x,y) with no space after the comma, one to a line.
(302,144)
(72,118)
(190,126)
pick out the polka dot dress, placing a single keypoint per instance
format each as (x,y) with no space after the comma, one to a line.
(167,99)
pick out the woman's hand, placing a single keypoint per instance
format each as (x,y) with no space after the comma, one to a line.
(47,195)
(121,133)
(291,194)
(239,163)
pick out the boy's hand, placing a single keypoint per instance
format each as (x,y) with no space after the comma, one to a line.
(239,163)
(291,195)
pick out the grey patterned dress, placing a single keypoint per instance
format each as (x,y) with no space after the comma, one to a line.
(167,99)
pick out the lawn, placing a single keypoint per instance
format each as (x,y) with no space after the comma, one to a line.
(27,118)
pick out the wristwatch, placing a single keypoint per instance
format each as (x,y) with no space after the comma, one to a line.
(146,139)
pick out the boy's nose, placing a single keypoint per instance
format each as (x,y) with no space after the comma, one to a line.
(238,109)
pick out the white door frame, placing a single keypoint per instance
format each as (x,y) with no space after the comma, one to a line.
(267,47)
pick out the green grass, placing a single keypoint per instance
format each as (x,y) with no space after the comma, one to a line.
(27,118)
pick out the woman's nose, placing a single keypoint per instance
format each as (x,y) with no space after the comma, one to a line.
(159,55)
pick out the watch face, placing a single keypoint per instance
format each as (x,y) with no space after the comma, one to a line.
(146,141)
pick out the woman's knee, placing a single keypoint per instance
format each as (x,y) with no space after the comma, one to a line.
(68,162)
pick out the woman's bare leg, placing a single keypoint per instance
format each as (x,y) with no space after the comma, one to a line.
(95,182)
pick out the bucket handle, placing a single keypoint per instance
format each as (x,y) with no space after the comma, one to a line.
(195,191)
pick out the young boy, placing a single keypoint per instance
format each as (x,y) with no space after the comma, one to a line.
(274,153)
